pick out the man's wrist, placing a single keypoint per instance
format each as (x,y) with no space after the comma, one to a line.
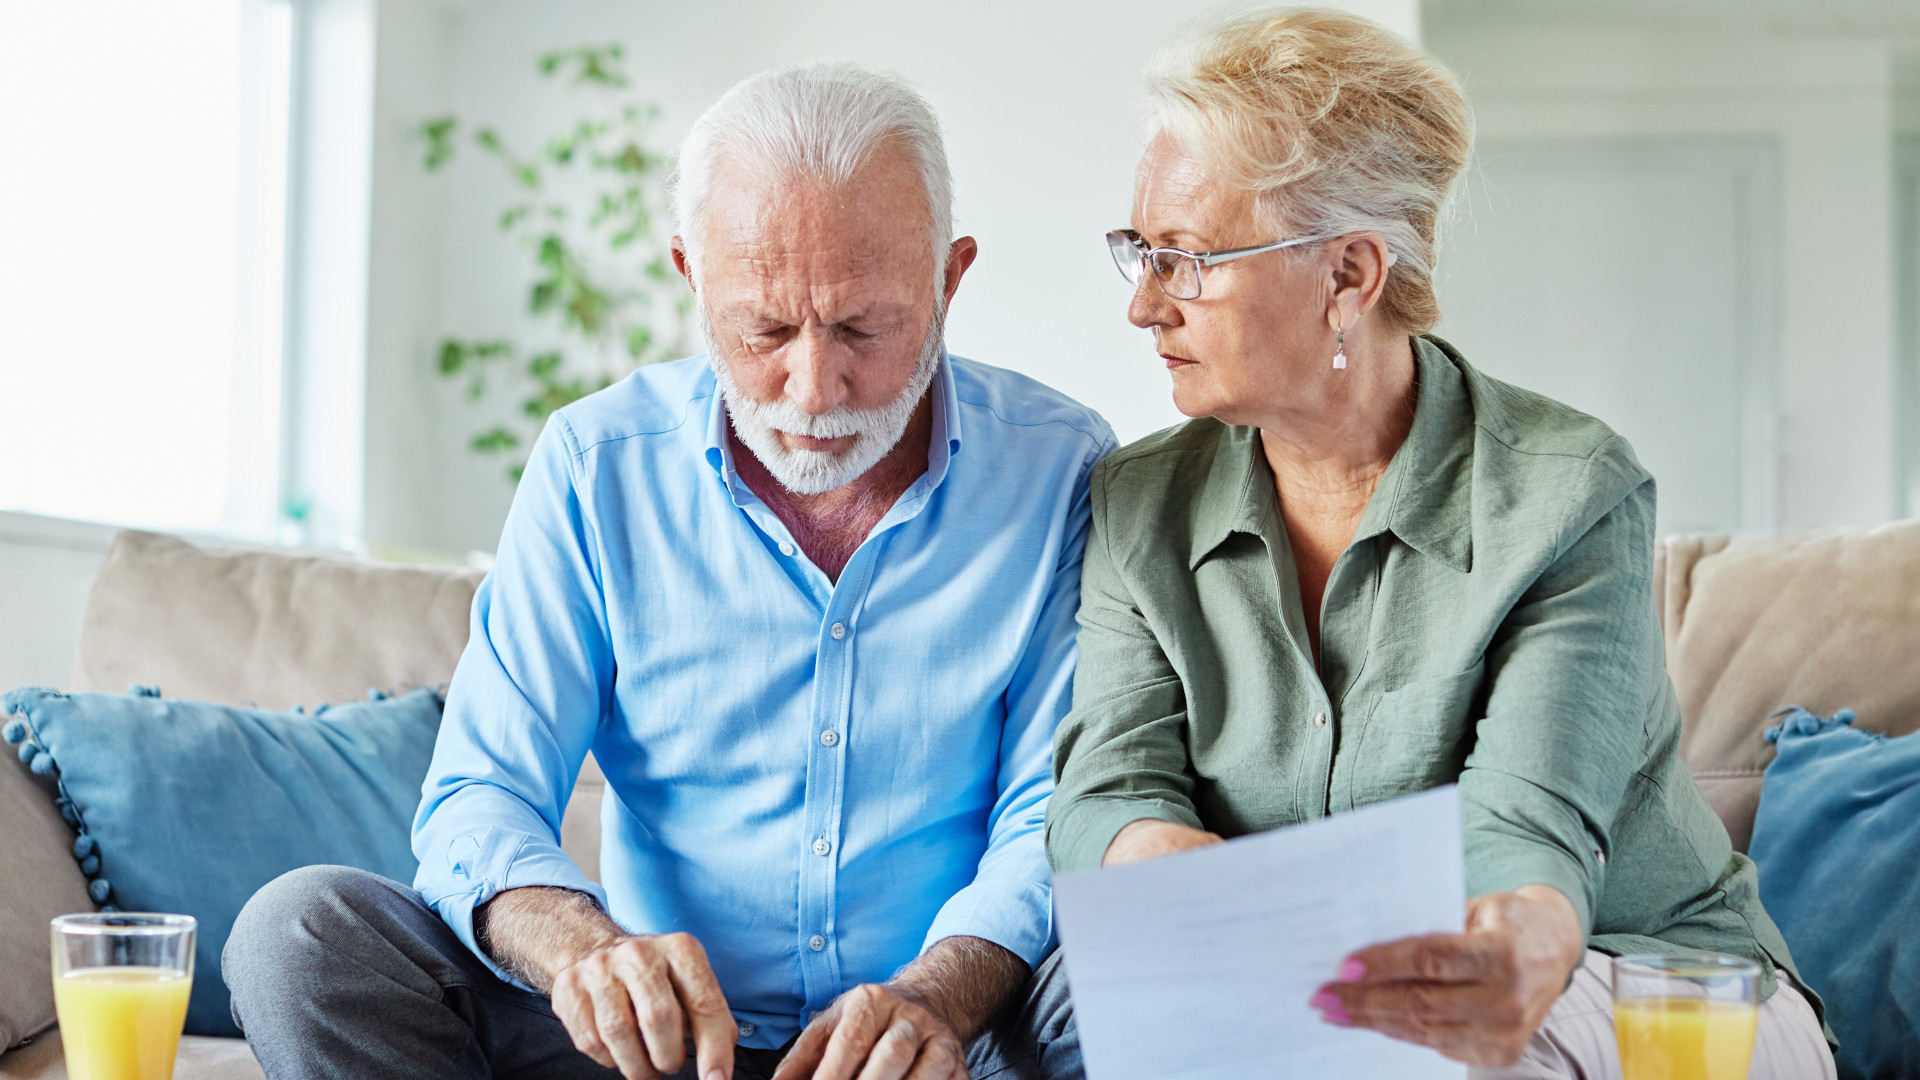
(536,932)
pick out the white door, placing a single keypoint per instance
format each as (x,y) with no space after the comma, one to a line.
(1633,281)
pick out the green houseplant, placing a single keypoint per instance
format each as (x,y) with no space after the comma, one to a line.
(587,212)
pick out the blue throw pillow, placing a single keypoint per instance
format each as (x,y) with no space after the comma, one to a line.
(1837,840)
(189,808)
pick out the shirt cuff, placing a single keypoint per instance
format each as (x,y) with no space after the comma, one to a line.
(482,865)
(1079,838)
(1015,914)
(1500,862)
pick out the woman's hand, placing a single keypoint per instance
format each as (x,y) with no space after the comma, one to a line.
(1150,839)
(1476,997)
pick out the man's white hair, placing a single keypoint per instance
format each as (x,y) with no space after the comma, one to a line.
(820,122)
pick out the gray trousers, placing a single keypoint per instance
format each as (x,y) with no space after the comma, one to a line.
(339,973)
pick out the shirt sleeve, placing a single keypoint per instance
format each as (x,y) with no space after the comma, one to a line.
(1121,754)
(525,701)
(1576,670)
(1010,901)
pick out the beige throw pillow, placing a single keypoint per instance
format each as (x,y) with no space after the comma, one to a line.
(38,880)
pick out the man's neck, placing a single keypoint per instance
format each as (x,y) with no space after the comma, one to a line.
(830,526)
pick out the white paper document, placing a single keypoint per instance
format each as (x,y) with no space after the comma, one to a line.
(1200,964)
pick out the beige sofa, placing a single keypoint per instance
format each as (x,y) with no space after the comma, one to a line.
(1825,621)
(232,626)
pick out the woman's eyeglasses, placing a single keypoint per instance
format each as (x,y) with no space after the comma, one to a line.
(1177,271)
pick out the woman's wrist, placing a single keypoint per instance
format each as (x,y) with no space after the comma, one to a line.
(1150,838)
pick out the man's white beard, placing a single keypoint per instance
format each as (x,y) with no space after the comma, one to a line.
(811,472)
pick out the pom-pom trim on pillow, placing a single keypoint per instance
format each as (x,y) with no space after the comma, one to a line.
(86,850)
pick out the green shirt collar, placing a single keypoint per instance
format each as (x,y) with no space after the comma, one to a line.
(1425,498)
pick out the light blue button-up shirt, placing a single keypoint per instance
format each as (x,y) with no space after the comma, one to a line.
(815,779)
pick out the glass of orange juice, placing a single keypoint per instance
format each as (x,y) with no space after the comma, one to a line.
(1685,1017)
(120,985)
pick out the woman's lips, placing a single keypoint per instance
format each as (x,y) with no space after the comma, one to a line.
(1174,363)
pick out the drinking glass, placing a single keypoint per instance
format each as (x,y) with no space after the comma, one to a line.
(1685,1017)
(120,985)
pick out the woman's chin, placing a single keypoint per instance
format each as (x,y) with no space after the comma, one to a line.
(1193,401)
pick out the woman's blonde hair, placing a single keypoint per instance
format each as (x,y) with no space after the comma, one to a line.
(1334,123)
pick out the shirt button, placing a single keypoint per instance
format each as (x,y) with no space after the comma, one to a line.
(821,846)
(1600,857)
(1319,719)
(838,630)
(829,737)
(816,943)
(787,550)
(746,1030)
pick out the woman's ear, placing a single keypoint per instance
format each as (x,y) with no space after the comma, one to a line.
(1360,262)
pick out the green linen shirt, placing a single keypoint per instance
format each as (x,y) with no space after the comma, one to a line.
(1491,624)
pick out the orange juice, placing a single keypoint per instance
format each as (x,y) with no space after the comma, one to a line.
(121,1023)
(1684,1038)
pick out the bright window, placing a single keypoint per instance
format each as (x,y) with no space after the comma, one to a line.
(141,270)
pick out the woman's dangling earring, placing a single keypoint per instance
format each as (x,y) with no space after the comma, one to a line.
(1340,351)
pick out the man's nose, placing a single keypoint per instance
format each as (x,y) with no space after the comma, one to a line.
(817,373)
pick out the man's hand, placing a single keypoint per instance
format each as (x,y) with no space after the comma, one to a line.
(874,1033)
(1476,997)
(629,1001)
(915,1025)
(1150,839)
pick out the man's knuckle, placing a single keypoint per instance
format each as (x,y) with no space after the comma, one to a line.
(657,1014)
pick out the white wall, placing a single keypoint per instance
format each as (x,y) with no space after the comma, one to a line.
(1823,102)
(1042,118)
(46,568)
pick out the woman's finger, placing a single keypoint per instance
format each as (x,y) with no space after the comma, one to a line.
(1427,1003)
(1434,958)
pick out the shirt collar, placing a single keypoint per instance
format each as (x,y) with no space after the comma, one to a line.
(942,447)
(1425,497)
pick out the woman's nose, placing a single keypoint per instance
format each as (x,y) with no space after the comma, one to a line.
(1150,305)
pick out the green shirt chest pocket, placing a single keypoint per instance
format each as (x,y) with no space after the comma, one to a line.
(1417,737)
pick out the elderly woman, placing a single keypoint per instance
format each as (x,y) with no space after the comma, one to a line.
(1366,569)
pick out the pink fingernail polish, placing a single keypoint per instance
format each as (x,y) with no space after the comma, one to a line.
(1352,971)
(1338,1017)
(1324,1001)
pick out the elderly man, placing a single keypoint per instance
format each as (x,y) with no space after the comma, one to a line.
(810,603)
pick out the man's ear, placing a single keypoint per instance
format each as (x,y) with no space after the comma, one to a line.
(960,255)
(683,262)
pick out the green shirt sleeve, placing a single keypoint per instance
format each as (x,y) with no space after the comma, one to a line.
(1574,671)
(1121,755)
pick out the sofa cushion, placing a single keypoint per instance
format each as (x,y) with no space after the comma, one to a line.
(201,1058)
(190,808)
(38,880)
(268,628)
(259,626)
(1753,625)
(1836,826)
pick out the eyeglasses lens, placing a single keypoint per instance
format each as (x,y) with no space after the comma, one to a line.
(1126,255)
(1179,274)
